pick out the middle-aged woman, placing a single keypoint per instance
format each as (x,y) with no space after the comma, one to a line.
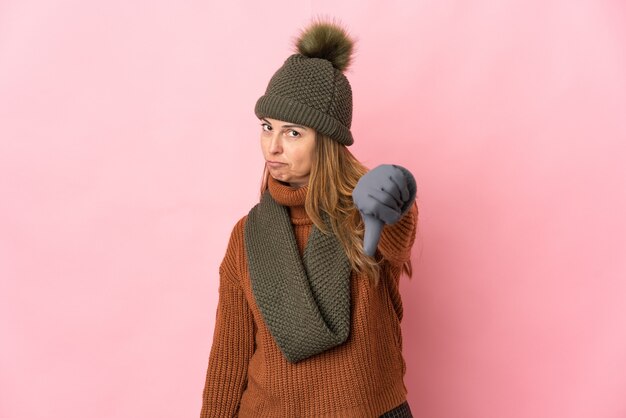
(309,310)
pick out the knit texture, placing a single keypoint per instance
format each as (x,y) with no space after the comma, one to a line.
(310,92)
(305,301)
(248,375)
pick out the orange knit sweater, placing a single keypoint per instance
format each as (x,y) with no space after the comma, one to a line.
(248,376)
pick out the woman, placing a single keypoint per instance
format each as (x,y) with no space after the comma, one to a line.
(308,318)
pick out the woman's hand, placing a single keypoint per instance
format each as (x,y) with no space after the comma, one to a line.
(382,196)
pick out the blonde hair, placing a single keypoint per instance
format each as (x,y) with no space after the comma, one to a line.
(334,174)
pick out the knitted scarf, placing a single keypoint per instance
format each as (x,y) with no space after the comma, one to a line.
(305,302)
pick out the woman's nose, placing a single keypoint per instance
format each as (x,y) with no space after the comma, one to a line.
(275,144)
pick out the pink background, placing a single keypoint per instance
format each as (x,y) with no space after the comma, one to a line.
(129,148)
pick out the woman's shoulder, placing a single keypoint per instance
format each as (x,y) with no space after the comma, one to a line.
(234,250)
(238,229)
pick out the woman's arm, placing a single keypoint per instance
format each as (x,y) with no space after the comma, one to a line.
(233,343)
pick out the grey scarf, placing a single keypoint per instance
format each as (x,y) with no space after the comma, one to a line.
(305,302)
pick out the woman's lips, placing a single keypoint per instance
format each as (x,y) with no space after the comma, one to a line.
(275,164)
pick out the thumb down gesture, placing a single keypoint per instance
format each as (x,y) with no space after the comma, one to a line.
(382,196)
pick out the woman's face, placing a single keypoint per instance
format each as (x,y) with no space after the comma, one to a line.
(288,150)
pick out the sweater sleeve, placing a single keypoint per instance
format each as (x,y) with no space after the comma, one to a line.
(397,239)
(233,342)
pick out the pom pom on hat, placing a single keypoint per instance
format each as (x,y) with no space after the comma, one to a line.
(327,40)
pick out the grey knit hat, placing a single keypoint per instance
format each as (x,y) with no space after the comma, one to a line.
(310,88)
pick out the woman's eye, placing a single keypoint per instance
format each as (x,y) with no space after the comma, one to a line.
(266,127)
(293,134)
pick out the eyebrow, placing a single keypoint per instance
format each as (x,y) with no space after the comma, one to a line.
(286,126)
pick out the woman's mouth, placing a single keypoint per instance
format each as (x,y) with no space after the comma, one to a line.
(275,164)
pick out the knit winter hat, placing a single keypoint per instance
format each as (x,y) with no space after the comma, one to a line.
(310,88)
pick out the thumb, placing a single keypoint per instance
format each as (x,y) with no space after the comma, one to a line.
(373,228)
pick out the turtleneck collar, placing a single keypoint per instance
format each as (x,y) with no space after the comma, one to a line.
(291,197)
